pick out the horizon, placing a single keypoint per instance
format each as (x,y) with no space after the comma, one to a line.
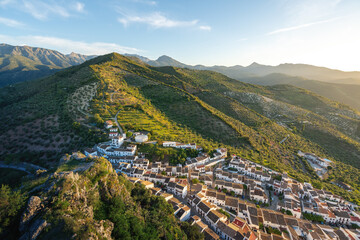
(198,64)
(207,33)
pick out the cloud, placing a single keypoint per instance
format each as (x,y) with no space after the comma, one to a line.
(10,22)
(205,28)
(79,7)
(299,11)
(5,2)
(159,20)
(41,9)
(242,39)
(281,30)
(68,46)
(156,20)
(145,2)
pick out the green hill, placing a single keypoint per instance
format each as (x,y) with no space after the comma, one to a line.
(24,63)
(345,93)
(60,113)
(86,199)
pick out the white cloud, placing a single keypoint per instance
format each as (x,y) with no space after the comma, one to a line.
(79,7)
(205,28)
(5,2)
(145,2)
(68,46)
(156,20)
(10,22)
(41,10)
(299,11)
(281,30)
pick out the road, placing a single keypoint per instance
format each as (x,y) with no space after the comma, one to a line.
(22,166)
(117,123)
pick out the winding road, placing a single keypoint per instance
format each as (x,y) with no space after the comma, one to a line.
(117,123)
(25,167)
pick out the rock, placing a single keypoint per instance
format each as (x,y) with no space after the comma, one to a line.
(35,230)
(102,228)
(33,207)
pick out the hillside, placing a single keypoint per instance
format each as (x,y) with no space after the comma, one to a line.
(345,93)
(24,63)
(182,105)
(259,70)
(86,199)
(336,85)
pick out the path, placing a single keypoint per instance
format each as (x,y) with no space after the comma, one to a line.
(117,123)
(22,166)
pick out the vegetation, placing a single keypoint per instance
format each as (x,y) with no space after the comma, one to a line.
(20,64)
(313,217)
(268,125)
(11,202)
(224,212)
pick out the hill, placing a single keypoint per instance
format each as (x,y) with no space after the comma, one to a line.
(86,199)
(267,124)
(258,70)
(345,93)
(24,63)
(333,84)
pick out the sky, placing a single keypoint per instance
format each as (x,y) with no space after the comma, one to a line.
(209,32)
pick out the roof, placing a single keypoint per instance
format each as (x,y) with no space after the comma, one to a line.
(232,202)
(210,234)
(211,193)
(180,213)
(203,207)
(215,215)
(220,196)
(202,226)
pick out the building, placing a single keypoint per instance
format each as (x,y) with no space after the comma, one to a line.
(140,138)
(108,124)
(89,152)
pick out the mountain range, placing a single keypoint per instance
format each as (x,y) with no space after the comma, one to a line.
(336,85)
(259,70)
(24,63)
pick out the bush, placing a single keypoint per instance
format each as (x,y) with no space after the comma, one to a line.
(11,203)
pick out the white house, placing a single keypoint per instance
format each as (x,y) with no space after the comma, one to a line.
(141,138)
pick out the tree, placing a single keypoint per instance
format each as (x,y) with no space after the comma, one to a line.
(98,120)
(11,203)
(195,181)
(191,231)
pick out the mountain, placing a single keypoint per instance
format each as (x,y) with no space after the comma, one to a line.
(45,118)
(24,63)
(334,84)
(259,70)
(345,93)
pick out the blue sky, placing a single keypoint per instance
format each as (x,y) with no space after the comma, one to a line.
(209,32)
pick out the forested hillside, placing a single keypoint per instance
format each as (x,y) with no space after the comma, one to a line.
(86,199)
(24,63)
(268,125)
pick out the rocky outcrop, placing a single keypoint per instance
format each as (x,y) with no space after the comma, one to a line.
(104,229)
(33,207)
(34,230)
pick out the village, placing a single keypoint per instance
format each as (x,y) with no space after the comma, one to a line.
(228,197)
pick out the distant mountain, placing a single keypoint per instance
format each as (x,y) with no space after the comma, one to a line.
(345,93)
(23,63)
(259,70)
(336,85)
